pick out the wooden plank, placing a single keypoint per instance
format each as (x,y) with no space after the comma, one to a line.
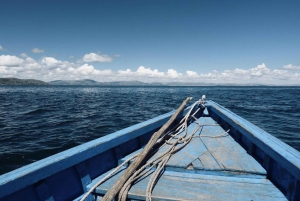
(186,155)
(83,174)
(44,192)
(229,154)
(205,112)
(130,155)
(182,158)
(241,162)
(29,174)
(98,198)
(282,153)
(184,186)
(208,161)
(197,164)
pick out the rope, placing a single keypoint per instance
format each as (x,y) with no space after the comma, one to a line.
(106,177)
(217,136)
(161,160)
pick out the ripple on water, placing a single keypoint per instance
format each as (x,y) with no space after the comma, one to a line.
(36,122)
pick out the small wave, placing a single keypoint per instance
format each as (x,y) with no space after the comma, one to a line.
(36,111)
(53,119)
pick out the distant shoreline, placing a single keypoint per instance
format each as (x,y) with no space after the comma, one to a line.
(21,82)
(89,82)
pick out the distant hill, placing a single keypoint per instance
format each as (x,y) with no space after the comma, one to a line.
(16,81)
(95,83)
(89,82)
(73,82)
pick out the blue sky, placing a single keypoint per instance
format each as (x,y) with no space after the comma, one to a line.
(216,41)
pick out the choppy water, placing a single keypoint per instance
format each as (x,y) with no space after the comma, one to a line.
(36,122)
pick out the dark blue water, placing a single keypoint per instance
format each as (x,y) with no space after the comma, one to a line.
(36,122)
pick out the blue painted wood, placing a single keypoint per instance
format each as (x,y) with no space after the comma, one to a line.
(237,136)
(209,162)
(89,198)
(26,194)
(145,138)
(185,186)
(84,175)
(280,152)
(82,170)
(101,163)
(65,185)
(30,174)
(185,156)
(259,155)
(282,178)
(293,189)
(251,148)
(197,164)
(118,153)
(216,173)
(228,153)
(129,146)
(182,158)
(278,157)
(205,112)
(238,162)
(44,192)
(266,163)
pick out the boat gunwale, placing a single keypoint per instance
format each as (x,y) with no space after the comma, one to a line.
(283,154)
(41,169)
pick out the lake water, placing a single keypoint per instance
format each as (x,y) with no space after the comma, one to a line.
(39,121)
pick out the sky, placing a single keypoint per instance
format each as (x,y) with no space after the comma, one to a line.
(151,41)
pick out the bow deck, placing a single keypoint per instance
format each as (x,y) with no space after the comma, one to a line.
(213,166)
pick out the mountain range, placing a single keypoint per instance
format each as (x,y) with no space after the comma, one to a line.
(89,82)
(16,81)
(122,83)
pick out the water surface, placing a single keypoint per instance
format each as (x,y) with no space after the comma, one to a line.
(39,121)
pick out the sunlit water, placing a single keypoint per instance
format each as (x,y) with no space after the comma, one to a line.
(36,122)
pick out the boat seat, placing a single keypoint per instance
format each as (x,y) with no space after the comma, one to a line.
(186,186)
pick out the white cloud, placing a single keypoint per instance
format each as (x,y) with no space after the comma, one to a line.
(52,63)
(1,48)
(291,67)
(85,69)
(93,57)
(125,72)
(8,60)
(7,72)
(50,68)
(191,73)
(259,75)
(173,73)
(142,71)
(37,50)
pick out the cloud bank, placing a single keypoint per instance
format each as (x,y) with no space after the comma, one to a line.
(49,68)
(291,67)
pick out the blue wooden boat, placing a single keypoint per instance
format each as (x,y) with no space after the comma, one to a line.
(227,158)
